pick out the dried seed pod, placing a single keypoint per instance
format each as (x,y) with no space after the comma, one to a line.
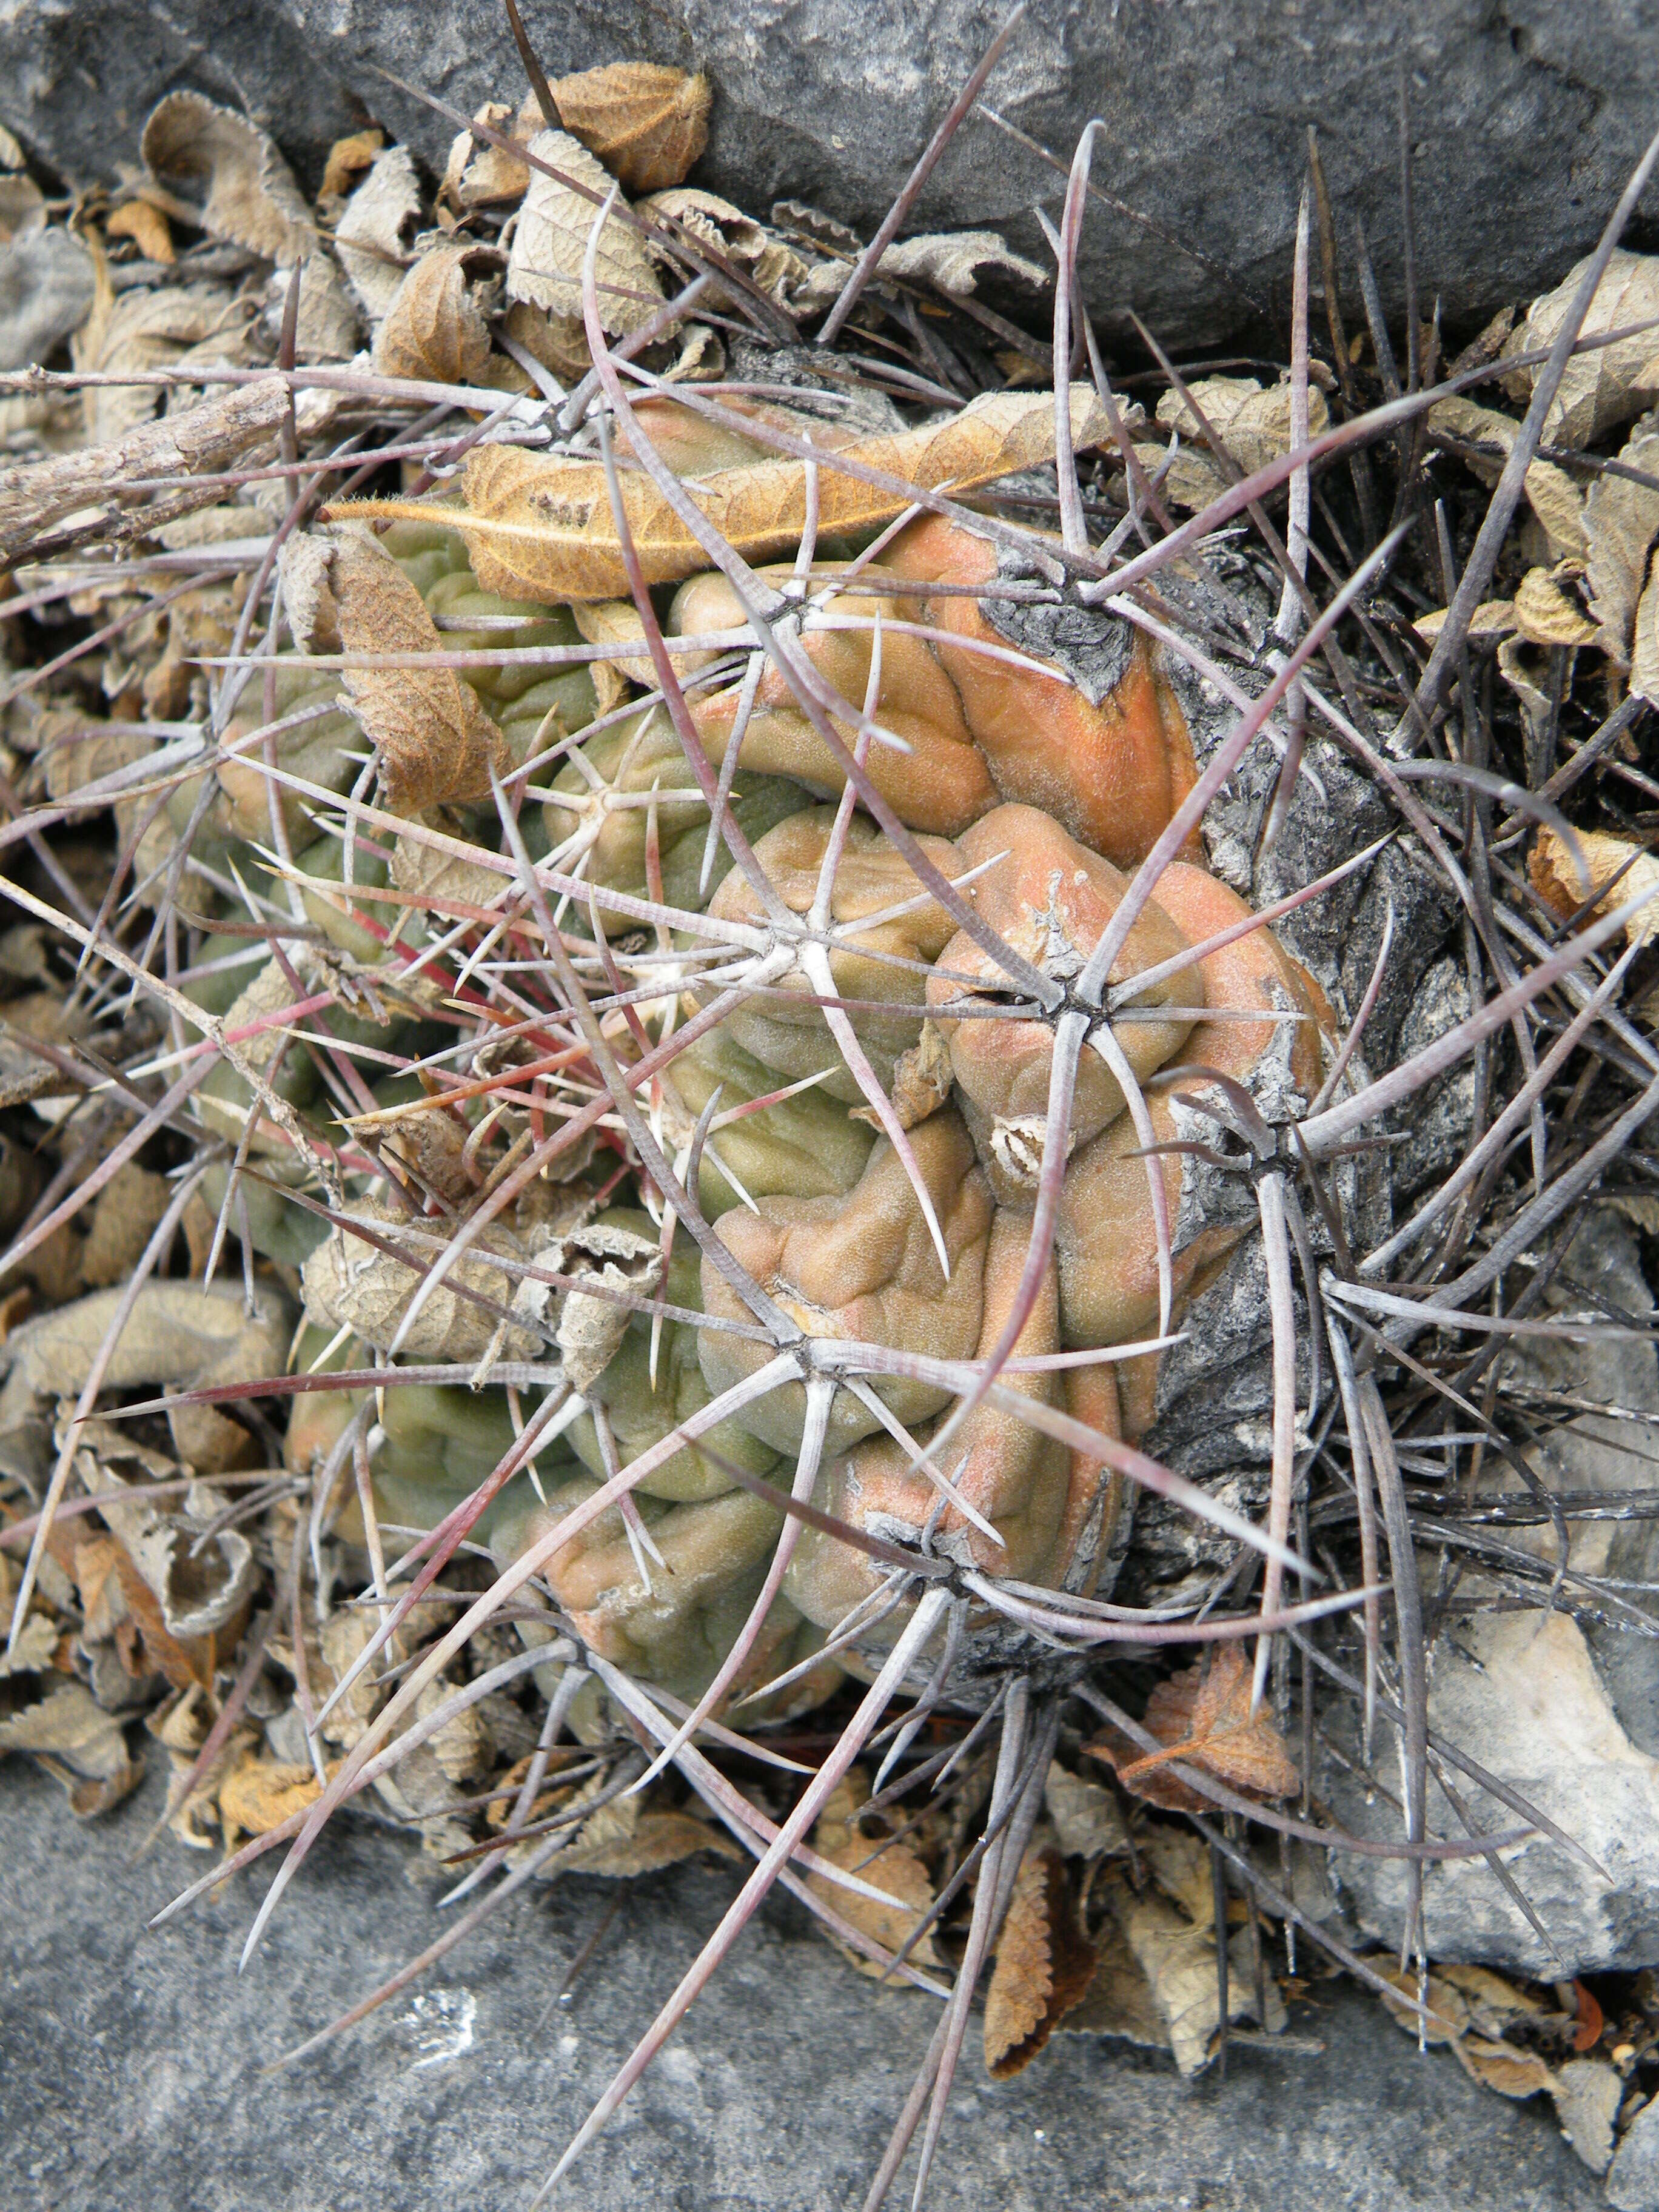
(860,1268)
(1050,900)
(1107,753)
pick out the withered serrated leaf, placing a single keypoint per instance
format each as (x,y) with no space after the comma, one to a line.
(1612,383)
(896,1870)
(550,243)
(540,528)
(1553,496)
(349,1283)
(480,175)
(1546,614)
(1205,1721)
(371,236)
(1621,520)
(646,122)
(78,1743)
(436,743)
(1254,425)
(957,262)
(1556,880)
(434,326)
(260,1793)
(775,267)
(252,197)
(1043,1965)
(1645,643)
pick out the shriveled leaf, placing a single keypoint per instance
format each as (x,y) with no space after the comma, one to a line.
(177,1332)
(550,243)
(250,197)
(1532,675)
(434,327)
(1556,880)
(592,1325)
(347,160)
(775,267)
(146,331)
(559,342)
(1500,2066)
(461,1743)
(1450,2014)
(657,1840)
(1119,2001)
(1553,496)
(1179,1862)
(1178,1962)
(1645,643)
(1043,1965)
(480,175)
(1253,424)
(260,1793)
(327,327)
(957,262)
(36,1644)
(1621,520)
(349,1283)
(1494,2003)
(146,226)
(1492,618)
(202,1584)
(1546,614)
(1206,1721)
(435,744)
(1612,383)
(839,1838)
(372,235)
(124,1214)
(922,1083)
(78,1743)
(646,122)
(538,528)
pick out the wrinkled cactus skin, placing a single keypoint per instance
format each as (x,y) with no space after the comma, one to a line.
(1045,790)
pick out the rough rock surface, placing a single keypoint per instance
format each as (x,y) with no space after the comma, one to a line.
(131,2072)
(1564,1713)
(1633,2177)
(1205,107)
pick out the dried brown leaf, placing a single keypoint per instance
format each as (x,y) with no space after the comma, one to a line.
(434,327)
(1206,1721)
(1613,383)
(349,1283)
(957,263)
(559,342)
(372,235)
(1500,2066)
(541,529)
(1546,614)
(655,1839)
(1086,1819)
(1621,520)
(251,198)
(480,175)
(1492,618)
(775,267)
(1554,498)
(839,1838)
(436,743)
(1253,424)
(327,327)
(647,123)
(1043,1965)
(348,158)
(144,331)
(260,1793)
(146,226)
(1645,643)
(550,243)
(1178,1962)
(1557,882)
(124,1214)
(77,1743)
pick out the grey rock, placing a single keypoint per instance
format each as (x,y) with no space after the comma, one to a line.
(132,2063)
(1633,2177)
(1566,1711)
(1206,108)
(47,290)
